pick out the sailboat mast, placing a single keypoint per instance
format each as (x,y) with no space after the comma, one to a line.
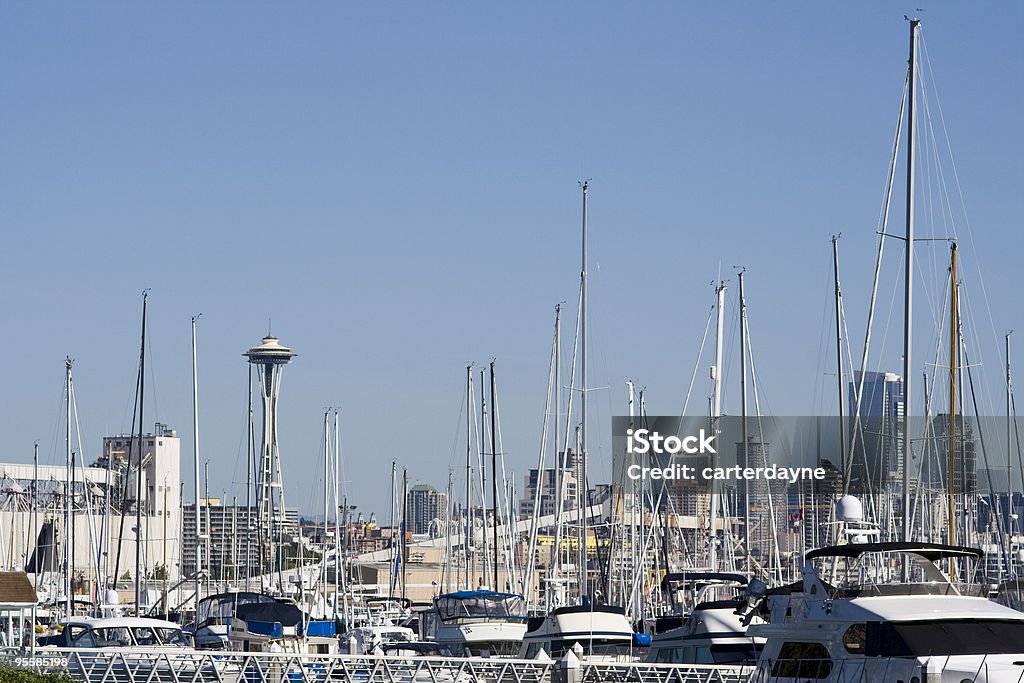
(391,523)
(556,555)
(327,477)
(1009,438)
(195,458)
(35,508)
(743,418)
(839,359)
(250,448)
(142,450)
(494,477)
(581,486)
(467,514)
(338,561)
(67,488)
(716,413)
(481,453)
(908,273)
(405,525)
(954,347)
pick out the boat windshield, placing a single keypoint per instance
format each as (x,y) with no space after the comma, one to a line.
(944,638)
(593,647)
(112,636)
(479,605)
(402,636)
(173,636)
(899,573)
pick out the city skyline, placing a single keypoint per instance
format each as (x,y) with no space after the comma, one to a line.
(395,189)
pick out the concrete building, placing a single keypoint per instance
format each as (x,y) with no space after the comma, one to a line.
(105,498)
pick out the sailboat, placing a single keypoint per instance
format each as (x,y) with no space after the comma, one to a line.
(595,632)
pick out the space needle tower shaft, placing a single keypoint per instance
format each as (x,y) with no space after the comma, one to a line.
(270,357)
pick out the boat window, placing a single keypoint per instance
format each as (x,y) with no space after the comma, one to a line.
(75,630)
(855,638)
(173,636)
(946,637)
(145,636)
(672,655)
(702,655)
(493,648)
(606,647)
(396,636)
(802,660)
(114,636)
(83,639)
(532,650)
(735,653)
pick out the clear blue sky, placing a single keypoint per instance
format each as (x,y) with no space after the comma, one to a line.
(395,184)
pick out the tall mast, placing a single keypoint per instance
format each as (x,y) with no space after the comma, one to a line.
(634,561)
(195,457)
(391,523)
(337,521)
(908,287)
(209,526)
(327,477)
(556,555)
(405,523)
(581,486)
(467,516)
(716,413)
(1009,439)
(494,476)
(839,359)
(35,509)
(954,347)
(581,530)
(480,441)
(67,488)
(250,448)
(743,418)
(142,450)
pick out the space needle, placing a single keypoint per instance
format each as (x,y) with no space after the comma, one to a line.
(270,357)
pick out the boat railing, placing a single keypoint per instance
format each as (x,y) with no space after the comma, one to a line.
(110,665)
(926,669)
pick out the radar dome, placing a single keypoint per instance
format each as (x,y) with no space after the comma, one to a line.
(849,509)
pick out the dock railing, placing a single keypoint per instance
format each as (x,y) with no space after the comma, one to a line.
(126,665)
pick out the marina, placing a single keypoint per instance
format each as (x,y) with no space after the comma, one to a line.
(876,539)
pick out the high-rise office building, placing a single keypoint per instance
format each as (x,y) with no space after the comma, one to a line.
(424,504)
(545,483)
(876,459)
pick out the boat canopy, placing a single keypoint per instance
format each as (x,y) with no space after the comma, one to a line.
(271,612)
(218,608)
(480,604)
(929,551)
